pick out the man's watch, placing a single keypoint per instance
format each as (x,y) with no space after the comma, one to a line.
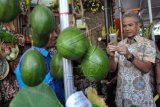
(131,58)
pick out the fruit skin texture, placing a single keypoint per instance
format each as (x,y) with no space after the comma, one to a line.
(9,10)
(42,20)
(42,24)
(39,40)
(38,96)
(56,66)
(33,68)
(72,43)
(95,64)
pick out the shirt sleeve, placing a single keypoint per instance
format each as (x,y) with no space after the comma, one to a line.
(150,52)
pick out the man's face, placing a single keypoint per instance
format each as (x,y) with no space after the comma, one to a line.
(130,27)
(52,40)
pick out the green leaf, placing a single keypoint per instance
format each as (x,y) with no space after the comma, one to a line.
(150,31)
(133,105)
(94,105)
(38,96)
(142,25)
(8,37)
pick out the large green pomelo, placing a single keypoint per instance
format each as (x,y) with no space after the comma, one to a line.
(33,68)
(95,64)
(56,66)
(42,20)
(9,10)
(72,43)
(38,96)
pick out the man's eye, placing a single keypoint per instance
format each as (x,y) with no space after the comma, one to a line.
(130,25)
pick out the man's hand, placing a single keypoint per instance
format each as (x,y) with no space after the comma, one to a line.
(123,50)
(111,49)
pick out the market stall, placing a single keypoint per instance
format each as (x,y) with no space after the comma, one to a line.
(75,34)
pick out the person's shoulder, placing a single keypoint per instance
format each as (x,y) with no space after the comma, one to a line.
(144,40)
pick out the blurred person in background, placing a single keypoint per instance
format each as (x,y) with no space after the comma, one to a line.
(56,85)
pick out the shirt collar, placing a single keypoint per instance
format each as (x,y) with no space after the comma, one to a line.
(43,51)
(135,39)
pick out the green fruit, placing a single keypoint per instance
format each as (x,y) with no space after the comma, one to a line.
(39,40)
(56,66)
(42,20)
(33,68)
(72,43)
(42,24)
(38,96)
(9,10)
(95,64)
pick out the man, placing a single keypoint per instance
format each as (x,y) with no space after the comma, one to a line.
(56,85)
(134,57)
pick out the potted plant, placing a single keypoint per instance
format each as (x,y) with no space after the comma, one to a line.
(8,45)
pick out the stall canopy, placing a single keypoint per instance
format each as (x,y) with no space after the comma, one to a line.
(142,5)
(155,4)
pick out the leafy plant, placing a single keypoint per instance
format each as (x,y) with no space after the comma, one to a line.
(8,37)
(103,32)
(146,31)
(94,98)
(113,30)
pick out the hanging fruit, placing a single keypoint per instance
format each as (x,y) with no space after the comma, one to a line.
(33,68)
(39,96)
(56,66)
(9,10)
(42,24)
(95,64)
(72,43)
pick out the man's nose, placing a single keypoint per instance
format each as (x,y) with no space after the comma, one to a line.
(127,27)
